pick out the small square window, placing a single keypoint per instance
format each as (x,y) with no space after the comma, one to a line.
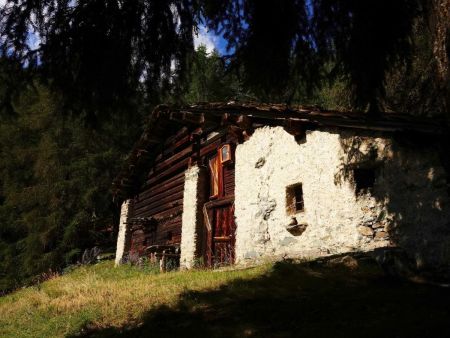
(294,199)
(225,153)
(364,179)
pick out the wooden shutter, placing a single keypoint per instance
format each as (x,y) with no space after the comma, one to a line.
(215,176)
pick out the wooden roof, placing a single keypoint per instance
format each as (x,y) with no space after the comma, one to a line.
(166,120)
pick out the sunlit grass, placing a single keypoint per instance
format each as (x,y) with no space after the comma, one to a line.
(102,296)
(336,297)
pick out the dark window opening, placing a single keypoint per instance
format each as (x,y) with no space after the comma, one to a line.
(300,138)
(364,179)
(294,199)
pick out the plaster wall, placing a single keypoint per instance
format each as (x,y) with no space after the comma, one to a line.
(122,237)
(190,217)
(408,205)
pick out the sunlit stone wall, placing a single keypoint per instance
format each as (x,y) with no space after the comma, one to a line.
(408,205)
(122,239)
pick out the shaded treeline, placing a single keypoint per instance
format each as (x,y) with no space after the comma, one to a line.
(55,176)
(56,169)
(97,53)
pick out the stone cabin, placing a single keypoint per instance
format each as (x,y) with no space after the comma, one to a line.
(232,183)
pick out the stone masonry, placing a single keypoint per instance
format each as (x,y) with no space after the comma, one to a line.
(408,205)
(192,220)
(122,239)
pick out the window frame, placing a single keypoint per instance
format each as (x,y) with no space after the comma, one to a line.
(294,192)
(298,194)
(228,147)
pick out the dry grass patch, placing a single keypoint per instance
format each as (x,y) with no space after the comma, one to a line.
(101,296)
(285,299)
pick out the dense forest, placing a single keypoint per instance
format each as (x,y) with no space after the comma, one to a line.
(72,108)
(56,171)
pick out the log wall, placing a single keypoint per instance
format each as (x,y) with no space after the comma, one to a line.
(161,198)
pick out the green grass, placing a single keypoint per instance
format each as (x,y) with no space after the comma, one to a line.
(100,296)
(272,300)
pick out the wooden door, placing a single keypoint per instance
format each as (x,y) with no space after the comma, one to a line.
(220,249)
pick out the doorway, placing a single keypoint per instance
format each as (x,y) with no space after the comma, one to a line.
(219,210)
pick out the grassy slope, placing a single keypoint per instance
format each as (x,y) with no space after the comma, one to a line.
(99,296)
(309,299)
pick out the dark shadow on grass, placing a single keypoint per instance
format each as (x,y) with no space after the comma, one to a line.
(303,300)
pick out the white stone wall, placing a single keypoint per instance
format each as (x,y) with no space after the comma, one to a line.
(123,231)
(189,217)
(336,220)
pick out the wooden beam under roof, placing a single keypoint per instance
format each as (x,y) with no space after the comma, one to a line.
(246,116)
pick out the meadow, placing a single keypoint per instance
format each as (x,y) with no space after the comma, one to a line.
(285,299)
